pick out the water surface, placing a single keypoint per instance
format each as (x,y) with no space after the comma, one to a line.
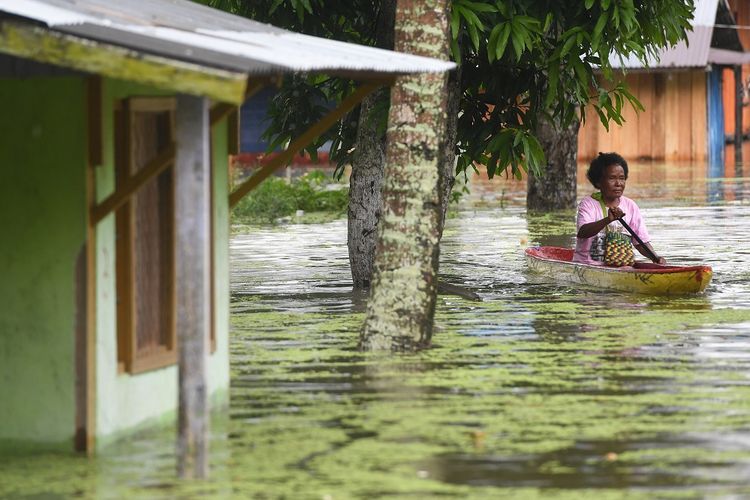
(542,389)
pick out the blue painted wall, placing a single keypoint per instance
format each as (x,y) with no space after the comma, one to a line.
(253,121)
(715,124)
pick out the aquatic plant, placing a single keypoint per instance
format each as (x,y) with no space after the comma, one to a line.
(276,198)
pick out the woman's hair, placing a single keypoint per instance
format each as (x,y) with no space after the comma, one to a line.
(604,160)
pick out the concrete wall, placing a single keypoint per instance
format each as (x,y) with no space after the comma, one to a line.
(42,232)
(43,159)
(126,401)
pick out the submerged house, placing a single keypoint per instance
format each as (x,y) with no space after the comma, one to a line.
(118,119)
(685,100)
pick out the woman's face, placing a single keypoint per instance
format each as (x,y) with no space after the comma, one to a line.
(612,184)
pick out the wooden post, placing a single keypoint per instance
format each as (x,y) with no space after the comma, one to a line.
(738,120)
(192,250)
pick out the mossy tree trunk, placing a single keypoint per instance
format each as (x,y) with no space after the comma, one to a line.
(556,188)
(366,180)
(401,308)
(447,158)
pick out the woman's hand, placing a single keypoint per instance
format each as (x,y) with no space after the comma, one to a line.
(614,213)
(661,260)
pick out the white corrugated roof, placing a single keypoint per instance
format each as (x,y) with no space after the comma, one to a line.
(198,34)
(697,51)
(705,12)
(690,54)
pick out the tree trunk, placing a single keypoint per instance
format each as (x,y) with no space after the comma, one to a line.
(401,308)
(366,181)
(556,188)
(448,157)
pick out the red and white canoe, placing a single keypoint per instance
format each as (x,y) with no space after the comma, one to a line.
(654,279)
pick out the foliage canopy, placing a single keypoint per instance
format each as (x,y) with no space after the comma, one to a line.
(519,59)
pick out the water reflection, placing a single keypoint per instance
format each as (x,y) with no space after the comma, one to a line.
(649,183)
(544,385)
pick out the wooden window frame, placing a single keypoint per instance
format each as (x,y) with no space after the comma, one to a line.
(129,359)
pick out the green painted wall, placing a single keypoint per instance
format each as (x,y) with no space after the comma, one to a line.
(129,401)
(42,216)
(42,222)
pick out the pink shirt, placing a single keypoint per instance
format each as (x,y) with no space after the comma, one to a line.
(591,250)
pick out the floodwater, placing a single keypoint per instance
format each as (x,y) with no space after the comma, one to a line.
(542,389)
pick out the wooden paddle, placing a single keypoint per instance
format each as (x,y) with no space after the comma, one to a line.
(651,255)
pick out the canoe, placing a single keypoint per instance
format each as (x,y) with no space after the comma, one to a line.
(642,277)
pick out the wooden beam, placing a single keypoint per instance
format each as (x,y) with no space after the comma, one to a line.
(219,112)
(114,201)
(303,140)
(86,413)
(192,254)
(151,104)
(254,85)
(47,46)
(233,132)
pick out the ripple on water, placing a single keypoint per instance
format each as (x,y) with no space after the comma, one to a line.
(540,387)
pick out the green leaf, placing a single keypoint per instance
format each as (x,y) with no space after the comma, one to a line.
(588,4)
(553,76)
(616,16)
(455,23)
(547,22)
(517,138)
(618,103)
(501,141)
(516,39)
(537,153)
(471,18)
(530,23)
(526,150)
(313,152)
(474,35)
(480,7)
(492,164)
(502,7)
(502,42)
(492,42)
(580,70)
(456,52)
(634,102)
(602,117)
(567,45)
(275,5)
(598,28)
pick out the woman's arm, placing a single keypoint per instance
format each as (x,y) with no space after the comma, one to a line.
(644,252)
(592,228)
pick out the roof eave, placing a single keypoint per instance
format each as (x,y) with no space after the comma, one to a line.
(728,57)
(48,46)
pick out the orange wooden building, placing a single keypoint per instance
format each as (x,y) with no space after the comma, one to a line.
(688,94)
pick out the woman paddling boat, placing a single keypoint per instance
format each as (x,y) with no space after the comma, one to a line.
(603,256)
(604,216)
